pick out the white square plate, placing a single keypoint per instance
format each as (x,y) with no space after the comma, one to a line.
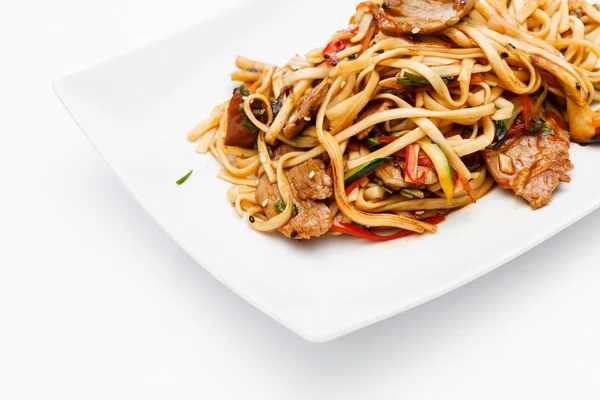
(136,110)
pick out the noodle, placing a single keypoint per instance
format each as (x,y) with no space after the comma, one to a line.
(425,105)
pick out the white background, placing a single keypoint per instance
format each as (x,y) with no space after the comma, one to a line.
(96,302)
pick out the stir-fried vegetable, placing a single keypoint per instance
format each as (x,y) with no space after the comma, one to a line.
(354,230)
(363,170)
(417,81)
(442,167)
(184,178)
(412,158)
(331,50)
(362,181)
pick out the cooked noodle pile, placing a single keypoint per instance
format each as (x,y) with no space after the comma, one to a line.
(399,122)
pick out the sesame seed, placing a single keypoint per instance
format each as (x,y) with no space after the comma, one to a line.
(419,212)
(251,219)
(294,234)
(262,159)
(343,84)
(265,203)
(504,54)
(295,67)
(307,118)
(416,30)
(311,175)
(578,85)
(257,182)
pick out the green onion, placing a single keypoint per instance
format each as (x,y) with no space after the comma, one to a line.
(246,123)
(280,206)
(537,127)
(385,187)
(184,178)
(417,81)
(244,91)
(372,143)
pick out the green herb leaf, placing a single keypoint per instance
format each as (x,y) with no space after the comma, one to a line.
(270,150)
(537,127)
(547,129)
(184,178)
(502,128)
(474,168)
(372,143)
(249,125)
(280,206)
(244,91)
(417,81)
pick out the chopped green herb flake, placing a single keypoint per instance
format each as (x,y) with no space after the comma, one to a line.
(417,81)
(280,206)
(249,125)
(385,187)
(502,128)
(294,210)
(244,91)
(184,178)
(537,127)
(270,150)
(474,168)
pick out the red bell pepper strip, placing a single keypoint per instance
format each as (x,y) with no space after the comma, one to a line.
(412,152)
(360,182)
(517,127)
(387,139)
(331,50)
(354,230)
(526,113)
(353,145)
(425,161)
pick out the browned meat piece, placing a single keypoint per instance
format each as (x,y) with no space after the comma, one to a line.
(237,134)
(532,165)
(282,150)
(309,106)
(406,17)
(392,175)
(313,219)
(311,180)
(371,109)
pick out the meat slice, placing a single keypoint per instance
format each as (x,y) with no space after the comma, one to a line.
(313,218)
(282,150)
(532,165)
(237,134)
(406,17)
(392,175)
(311,180)
(309,106)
